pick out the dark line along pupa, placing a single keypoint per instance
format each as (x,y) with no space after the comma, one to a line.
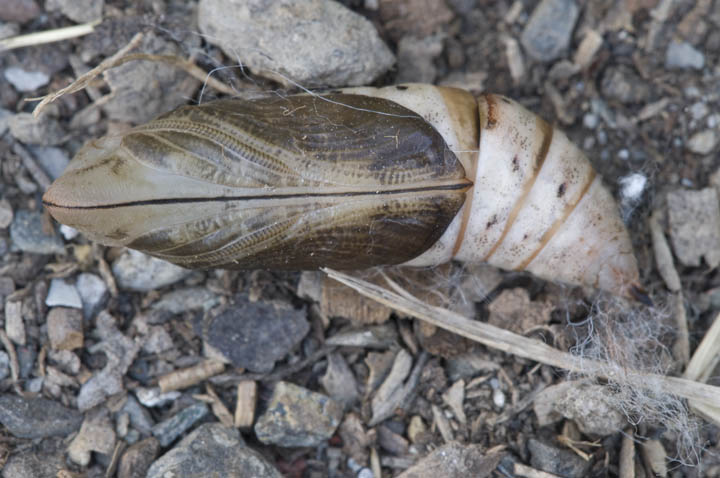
(410,174)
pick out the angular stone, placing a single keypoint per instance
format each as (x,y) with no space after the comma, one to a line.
(80,11)
(167,431)
(53,160)
(62,294)
(295,416)
(212,450)
(694,218)
(557,461)
(37,417)
(65,328)
(254,335)
(547,34)
(96,434)
(134,270)
(27,233)
(454,460)
(131,99)
(43,130)
(311,42)
(93,293)
(682,55)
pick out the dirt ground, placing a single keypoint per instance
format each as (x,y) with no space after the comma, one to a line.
(637,88)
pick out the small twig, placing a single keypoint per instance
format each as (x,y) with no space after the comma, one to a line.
(48,36)
(524,347)
(85,79)
(122,57)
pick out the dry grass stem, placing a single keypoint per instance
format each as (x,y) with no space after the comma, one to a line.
(701,365)
(122,56)
(524,347)
(49,36)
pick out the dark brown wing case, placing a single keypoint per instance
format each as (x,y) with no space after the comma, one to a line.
(298,182)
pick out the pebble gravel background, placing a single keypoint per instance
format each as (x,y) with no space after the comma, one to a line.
(117,364)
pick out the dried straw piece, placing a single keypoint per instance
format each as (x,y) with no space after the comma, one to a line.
(48,36)
(524,347)
(701,365)
(122,56)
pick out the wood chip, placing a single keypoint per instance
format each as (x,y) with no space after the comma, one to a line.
(681,347)
(655,456)
(663,255)
(589,46)
(652,109)
(246,401)
(190,376)
(515,60)
(627,455)
(454,398)
(442,424)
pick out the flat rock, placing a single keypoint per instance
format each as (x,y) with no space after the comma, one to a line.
(19,11)
(254,335)
(54,160)
(295,416)
(547,34)
(703,142)
(134,270)
(557,461)
(65,328)
(212,450)
(80,11)
(167,431)
(42,459)
(189,298)
(694,219)
(311,42)
(62,294)
(622,84)
(25,81)
(454,460)
(37,417)
(27,234)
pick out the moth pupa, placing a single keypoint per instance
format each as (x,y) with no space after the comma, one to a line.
(410,174)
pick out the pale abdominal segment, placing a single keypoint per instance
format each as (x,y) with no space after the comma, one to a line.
(409,174)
